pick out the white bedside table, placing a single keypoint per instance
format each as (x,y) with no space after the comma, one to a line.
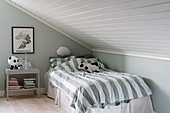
(34,71)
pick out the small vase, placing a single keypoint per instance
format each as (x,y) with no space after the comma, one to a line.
(26,66)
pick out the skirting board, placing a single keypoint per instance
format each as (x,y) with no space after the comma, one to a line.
(17,93)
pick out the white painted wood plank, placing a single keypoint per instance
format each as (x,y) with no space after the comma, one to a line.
(44,4)
(25,2)
(133,48)
(134,34)
(113,33)
(99,5)
(136,54)
(33,4)
(74,6)
(141,11)
(125,39)
(127,29)
(162,16)
(129,40)
(59,4)
(143,24)
(115,20)
(108,8)
(136,45)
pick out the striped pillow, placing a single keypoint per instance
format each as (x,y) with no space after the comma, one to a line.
(69,66)
(56,61)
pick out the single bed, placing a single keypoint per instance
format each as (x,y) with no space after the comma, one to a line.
(106,91)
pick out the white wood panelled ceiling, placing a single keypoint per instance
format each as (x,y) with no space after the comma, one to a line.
(140,27)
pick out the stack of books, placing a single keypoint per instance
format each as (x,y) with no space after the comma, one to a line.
(13,84)
(29,83)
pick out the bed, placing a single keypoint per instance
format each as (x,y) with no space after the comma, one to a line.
(82,91)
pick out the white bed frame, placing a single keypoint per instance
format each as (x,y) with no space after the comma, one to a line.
(141,105)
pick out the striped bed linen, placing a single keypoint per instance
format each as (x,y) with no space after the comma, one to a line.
(88,90)
(72,65)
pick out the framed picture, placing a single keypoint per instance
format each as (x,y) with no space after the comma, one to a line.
(22,40)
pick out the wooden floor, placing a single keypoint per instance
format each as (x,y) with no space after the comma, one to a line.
(29,104)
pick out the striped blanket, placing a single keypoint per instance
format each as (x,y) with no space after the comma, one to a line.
(88,90)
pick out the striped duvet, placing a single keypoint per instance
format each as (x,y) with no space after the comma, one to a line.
(88,90)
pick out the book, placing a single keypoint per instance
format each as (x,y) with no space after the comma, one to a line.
(13,79)
(29,79)
(14,87)
(13,84)
(26,87)
(29,83)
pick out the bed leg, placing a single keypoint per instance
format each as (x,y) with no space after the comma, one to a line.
(57,98)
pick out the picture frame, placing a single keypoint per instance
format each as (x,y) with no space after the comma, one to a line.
(22,40)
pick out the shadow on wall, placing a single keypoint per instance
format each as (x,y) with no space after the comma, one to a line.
(114,62)
(156,93)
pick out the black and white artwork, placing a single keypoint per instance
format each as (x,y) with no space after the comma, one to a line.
(22,40)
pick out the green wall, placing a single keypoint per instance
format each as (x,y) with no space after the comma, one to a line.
(156,74)
(47,40)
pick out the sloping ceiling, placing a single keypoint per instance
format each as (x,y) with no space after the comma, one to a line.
(140,27)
